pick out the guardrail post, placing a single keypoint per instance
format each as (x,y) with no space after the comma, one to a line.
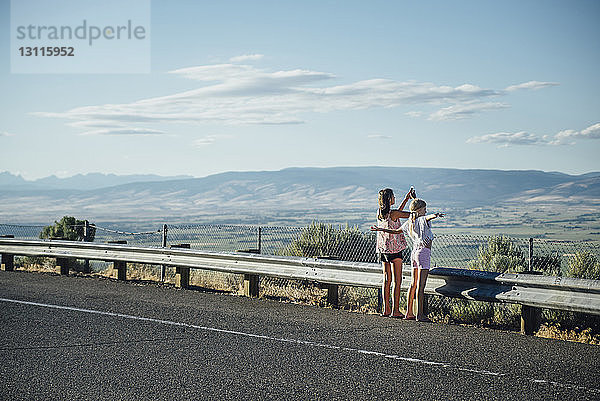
(63,264)
(8,262)
(530,319)
(182,274)
(332,289)
(333,294)
(164,245)
(531,316)
(121,268)
(182,277)
(251,282)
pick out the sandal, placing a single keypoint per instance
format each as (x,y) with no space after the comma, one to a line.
(400,316)
(410,318)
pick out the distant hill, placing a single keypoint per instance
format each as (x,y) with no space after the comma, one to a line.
(268,193)
(77,182)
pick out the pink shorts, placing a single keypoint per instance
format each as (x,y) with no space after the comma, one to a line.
(421,258)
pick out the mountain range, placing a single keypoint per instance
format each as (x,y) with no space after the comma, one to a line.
(260,195)
(79,181)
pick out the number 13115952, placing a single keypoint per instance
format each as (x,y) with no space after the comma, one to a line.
(47,51)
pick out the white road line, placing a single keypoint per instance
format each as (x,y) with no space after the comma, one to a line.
(300,342)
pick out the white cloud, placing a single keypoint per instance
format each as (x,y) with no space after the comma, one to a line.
(244,94)
(464,110)
(414,114)
(532,85)
(124,131)
(207,140)
(378,136)
(246,57)
(504,139)
(6,134)
(591,132)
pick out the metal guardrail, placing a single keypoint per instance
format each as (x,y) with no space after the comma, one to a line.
(570,294)
(563,293)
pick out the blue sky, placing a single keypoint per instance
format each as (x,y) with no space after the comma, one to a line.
(265,85)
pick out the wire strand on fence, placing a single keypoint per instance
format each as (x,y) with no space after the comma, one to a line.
(124,232)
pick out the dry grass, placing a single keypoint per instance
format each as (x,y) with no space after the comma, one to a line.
(37,264)
(577,335)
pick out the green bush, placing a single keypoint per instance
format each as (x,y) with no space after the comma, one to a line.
(321,240)
(70,229)
(584,265)
(500,255)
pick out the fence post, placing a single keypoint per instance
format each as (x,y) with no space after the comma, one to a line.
(8,262)
(251,281)
(530,254)
(531,316)
(259,240)
(164,245)
(86,233)
(63,264)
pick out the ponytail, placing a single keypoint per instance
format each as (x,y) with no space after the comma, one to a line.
(385,199)
(415,205)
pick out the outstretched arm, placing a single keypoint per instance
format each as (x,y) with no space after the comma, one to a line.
(386,230)
(433,216)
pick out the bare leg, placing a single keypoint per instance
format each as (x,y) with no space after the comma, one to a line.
(387,280)
(410,295)
(397,270)
(423,273)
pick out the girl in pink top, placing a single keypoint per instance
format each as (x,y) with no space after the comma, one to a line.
(390,244)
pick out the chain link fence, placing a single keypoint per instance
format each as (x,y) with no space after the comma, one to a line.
(319,240)
(20,231)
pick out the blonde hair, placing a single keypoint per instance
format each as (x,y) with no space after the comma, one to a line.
(385,199)
(415,205)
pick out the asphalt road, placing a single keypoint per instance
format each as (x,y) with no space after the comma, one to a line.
(68,338)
